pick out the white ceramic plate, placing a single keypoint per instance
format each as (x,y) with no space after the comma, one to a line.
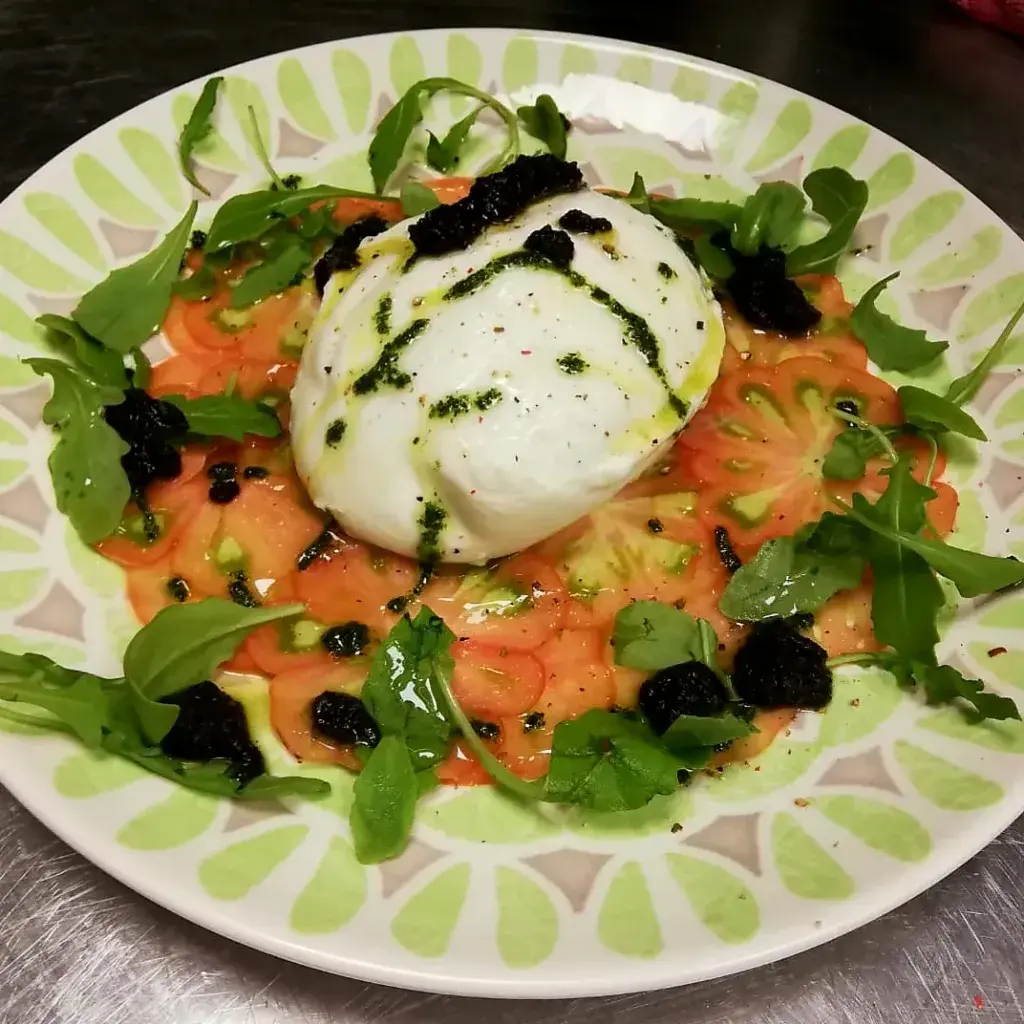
(855,812)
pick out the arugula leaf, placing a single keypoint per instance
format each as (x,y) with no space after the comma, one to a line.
(692,732)
(964,388)
(385,795)
(79,699)
(403,689)
(769,217)
(840,199)
(227,416)
(388,144)
(247,217)
(651,635)
(935,414)
(443,154)
(142,369)
(260,148)
(848,456)
(417,199)
(716,262)
(199,285)
(785,578)
(891,345)
(182,645)
(128,306)
(101,365)
(272,276)
(98,712)
(906,597)
(943,684)
(608,762)
(197,128)
(637,195)
(972,574)
(544,121)
(686,215)
(89,482)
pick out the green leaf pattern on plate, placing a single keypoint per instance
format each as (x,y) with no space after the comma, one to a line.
(527,920)
(156,164)
(111,195)
(301,101)
(63,221)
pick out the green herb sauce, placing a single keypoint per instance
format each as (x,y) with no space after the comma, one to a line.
(382,318)
(385,372)
(635,328)
(572,362)
(334,433)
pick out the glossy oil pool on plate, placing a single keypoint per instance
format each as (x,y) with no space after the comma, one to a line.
(851,814)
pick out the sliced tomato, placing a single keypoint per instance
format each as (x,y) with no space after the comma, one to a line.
(826,294)
(942,509)
(843,624)
(576,678)
(353,582)
(349,209)
(493,682)
(768,724)
(272,524)
(194,555)
(517,605)
(148,591)
(291,699)
(173,503)
(646,548)
(450,190)
(755,451)
(184,374)
(750,346)
(461,768)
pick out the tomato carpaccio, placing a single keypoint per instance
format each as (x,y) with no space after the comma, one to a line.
(533,645)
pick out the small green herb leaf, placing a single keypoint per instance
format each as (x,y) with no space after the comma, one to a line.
(687,215)
(443,154)
(650,635)
(388,144)
(385,794)
(964,388)
(906,597)
(716,262)
(199,285)
(544,121)
(403,689)
(89,482)
(769,217)
(608,762)
(690,732)
(261,150)
(127,307)
(227,416)
(417,199)
(272,276)
(637,195)
(935,414)
(197,128)
(891,345)
(848,456)
(943,684)
(101,365)
(840,198)
(185,643)
(786,577)
(78,699)
(248,217)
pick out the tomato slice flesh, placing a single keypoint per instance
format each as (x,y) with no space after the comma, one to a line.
(492,682)
(354,583)
(291,698)
(517,605)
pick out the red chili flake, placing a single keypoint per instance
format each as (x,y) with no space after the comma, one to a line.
(526,352)
(979,1003)
(473,491)
(996,651)
(479,419)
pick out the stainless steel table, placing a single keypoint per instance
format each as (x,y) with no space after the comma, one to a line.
(79,948)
